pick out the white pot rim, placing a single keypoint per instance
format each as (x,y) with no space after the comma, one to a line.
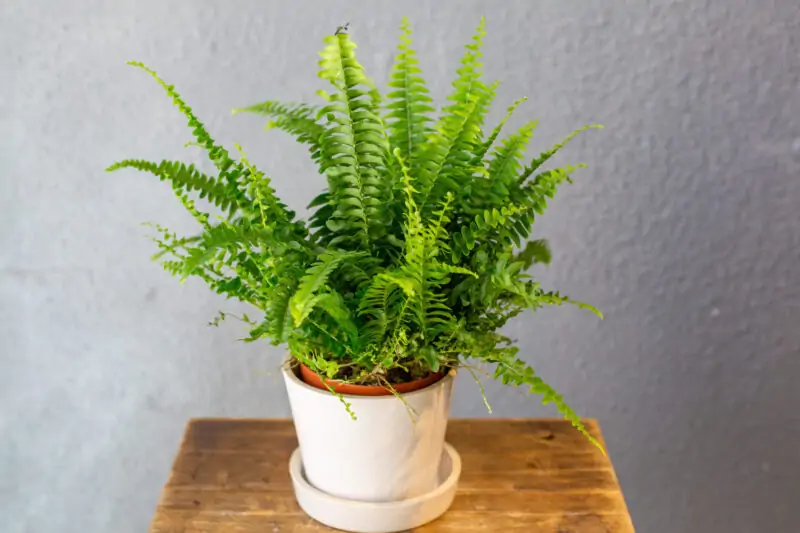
(302,384)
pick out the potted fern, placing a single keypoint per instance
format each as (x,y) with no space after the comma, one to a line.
(414,256)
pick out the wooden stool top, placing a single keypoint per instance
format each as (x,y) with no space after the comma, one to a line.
(518,475)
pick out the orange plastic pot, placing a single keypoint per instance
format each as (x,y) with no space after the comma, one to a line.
(315,380)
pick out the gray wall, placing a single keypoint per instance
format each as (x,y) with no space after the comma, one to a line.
(684,230)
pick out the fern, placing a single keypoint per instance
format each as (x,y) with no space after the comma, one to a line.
(296,119)
(184,178)
(513,371)
(545,156)
(354,146)
(481,152)
(409,103)
(537,251)
(415,254)
(303,301)
(458,133)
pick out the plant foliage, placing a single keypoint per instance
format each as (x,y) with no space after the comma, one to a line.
(416,252)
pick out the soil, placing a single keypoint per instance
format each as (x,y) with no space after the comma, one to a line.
(393,376)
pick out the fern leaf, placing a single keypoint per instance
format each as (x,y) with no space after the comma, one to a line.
(533,197)
(279,314)
(408,104)
(554,298)
(458,134)
(481,227)
(504,164)
(315,277)
(512,370)
(501,173)
(333,304)
(354,148)
(296,119)
(224,236)
(183,178)
(545,156)
(450,151)
(537,251)
(467,82)
(453,269)
(484,148)
(218,155)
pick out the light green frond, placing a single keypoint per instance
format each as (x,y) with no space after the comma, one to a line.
(458,133)
(554,298)
(491,222)
(183,177)
(408,102)
(452,269)
(505,164)
(222,237)
(448,165)
(218,155)
(545,156)
(515,371)
(484,148)
(469,73)
(296,119)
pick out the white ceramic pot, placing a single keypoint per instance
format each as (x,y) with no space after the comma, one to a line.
(384,455)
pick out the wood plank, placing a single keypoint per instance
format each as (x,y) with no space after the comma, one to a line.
(224,436)
(231,476)
(267,471)
(210,502)
(172,521)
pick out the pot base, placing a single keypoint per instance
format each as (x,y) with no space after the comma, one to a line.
(377,517)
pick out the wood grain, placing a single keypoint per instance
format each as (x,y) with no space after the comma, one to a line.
(519,475)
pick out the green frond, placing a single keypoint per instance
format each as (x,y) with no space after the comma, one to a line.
(273,212)
(483,226)
(183,177)
(333,304)
(533,196)
(218,155)
(545,156)
(450,151)
(233,175)
(315,277)
(222,237)
(279,321)
(537,251)
(514,371)
(298,120)
(504,165)
(554,298)
(453,269)
(466,83)
(458,133)
(354,147)
(408,102)
(484,148)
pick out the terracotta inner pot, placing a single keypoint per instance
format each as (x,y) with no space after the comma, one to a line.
(315,380)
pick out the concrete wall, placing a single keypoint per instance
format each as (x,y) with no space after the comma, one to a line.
(684,230)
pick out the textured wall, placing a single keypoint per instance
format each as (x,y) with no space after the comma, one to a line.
(684,230)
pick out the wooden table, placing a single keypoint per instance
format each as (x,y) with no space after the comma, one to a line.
(231,476)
